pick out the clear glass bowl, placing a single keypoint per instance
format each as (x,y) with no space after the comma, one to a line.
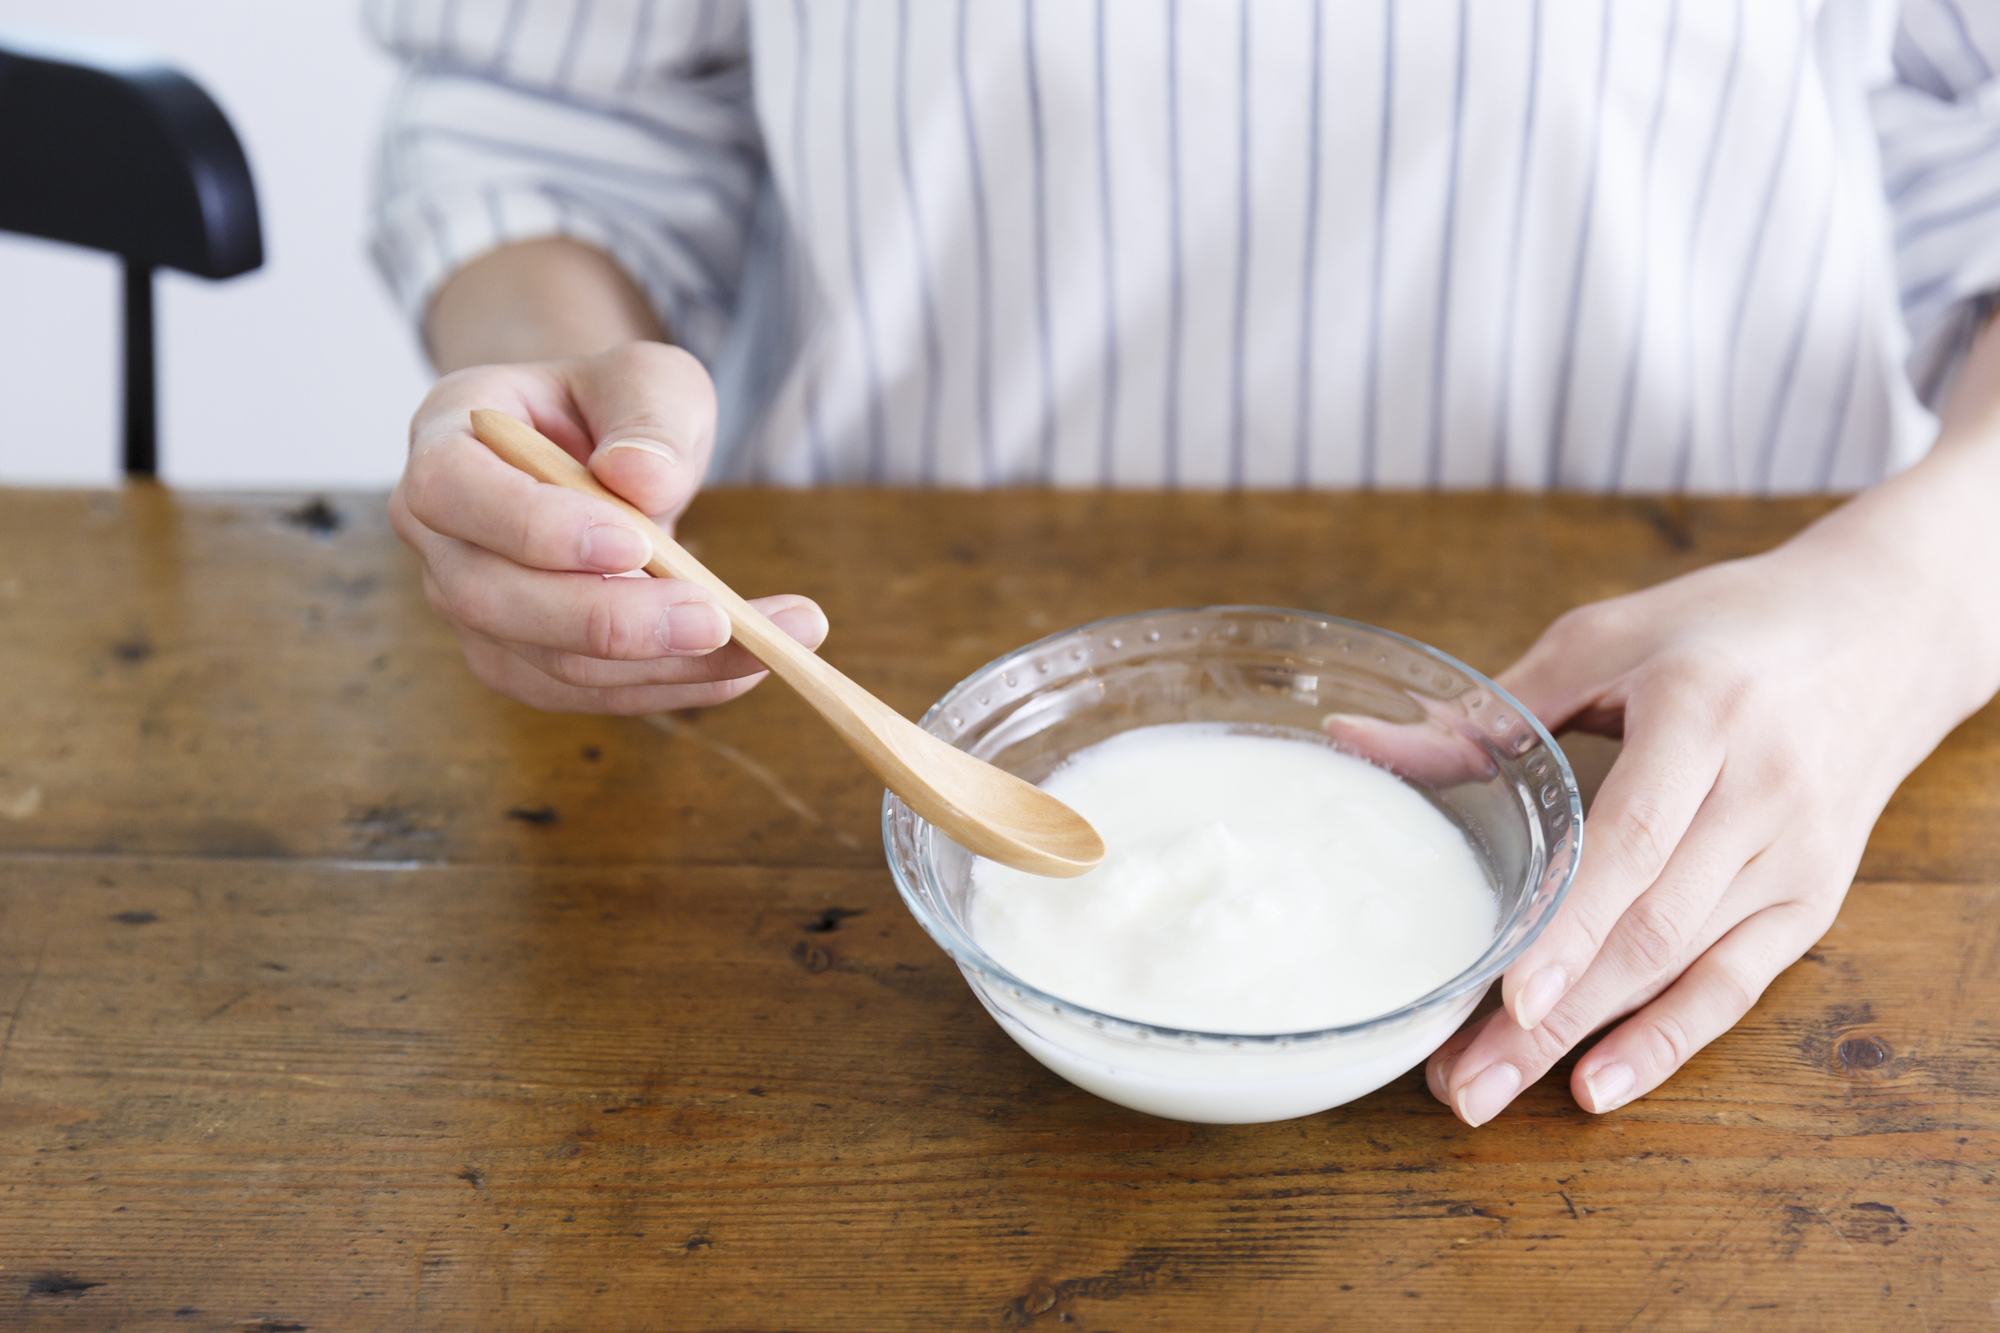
(1475,753)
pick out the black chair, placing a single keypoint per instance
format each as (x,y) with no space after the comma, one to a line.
(116,152)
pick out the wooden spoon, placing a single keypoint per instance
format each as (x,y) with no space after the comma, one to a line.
(976,805)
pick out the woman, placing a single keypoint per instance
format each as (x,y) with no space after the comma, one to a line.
(1662,244)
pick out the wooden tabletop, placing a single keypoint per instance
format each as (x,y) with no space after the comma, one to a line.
(338,993)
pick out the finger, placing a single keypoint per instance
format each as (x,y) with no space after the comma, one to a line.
(585,614)
(458,488)
(1437,1069)
(796,616)
(1441,1070)
(651,410)
(1668,925)
(1669,765)
(1711,997)
(1704,891)
(503,670)
(1432,752)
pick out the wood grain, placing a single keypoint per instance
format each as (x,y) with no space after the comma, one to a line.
(337,994)
(486,1097)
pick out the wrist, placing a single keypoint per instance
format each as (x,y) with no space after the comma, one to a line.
(543,300)
(1921,555)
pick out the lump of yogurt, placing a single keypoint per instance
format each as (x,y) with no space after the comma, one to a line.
(1251,884)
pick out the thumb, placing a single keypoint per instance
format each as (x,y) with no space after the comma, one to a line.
(650,409)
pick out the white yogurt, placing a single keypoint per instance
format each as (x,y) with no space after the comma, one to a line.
(1252,884)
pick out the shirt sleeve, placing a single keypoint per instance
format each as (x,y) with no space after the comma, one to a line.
(1939,128)
(626,124)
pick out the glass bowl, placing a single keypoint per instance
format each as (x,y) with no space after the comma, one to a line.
(1458,738)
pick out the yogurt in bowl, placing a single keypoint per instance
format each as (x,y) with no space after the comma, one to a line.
(1280,926)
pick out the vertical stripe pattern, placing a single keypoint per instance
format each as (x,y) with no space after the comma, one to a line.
(1623,244)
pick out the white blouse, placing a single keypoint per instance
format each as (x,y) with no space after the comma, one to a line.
(1709,245)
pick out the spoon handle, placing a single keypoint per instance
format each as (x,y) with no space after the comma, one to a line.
(842,702)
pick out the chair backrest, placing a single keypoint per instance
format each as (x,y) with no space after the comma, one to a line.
(109,149)
(114,151)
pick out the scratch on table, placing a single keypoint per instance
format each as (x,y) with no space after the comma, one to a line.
(1830,1222)
(20,1003)
(674,727)
(222,1008)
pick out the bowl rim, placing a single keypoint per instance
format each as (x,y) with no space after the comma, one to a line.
(965,951)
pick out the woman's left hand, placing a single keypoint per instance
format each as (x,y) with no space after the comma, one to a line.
(1769,707)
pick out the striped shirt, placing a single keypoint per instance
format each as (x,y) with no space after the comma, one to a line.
(1708,245)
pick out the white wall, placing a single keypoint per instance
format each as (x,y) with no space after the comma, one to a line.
(300,374)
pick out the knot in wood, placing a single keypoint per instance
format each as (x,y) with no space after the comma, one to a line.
(1861,1054)
(1038,1299)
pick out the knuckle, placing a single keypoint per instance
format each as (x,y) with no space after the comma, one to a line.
(1593,928)
(573,669)
(1646,848)
(428,484)
(1670,1041)
(1736,993)
(445,390)
(661,359)
(538,535)
(1785,769)
(1652,932)
(1649,992)
(1711,687)
(414,488)
(1559,1033)
(612,633)
(401,521)
(1681,674)
(602,629)
(566,668)
(1579,624)
(1584,925)
(472,603)
(1642,844)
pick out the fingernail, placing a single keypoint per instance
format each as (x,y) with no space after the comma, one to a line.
(1539,996)
(807,624)
(1488,1093)
(1446,1065)
(1609,1087)
(614,549)
(693,627)
(644,446)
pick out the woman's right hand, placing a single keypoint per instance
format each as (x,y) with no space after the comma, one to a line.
(518,568)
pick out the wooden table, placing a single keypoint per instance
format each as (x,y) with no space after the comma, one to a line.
(338,993)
